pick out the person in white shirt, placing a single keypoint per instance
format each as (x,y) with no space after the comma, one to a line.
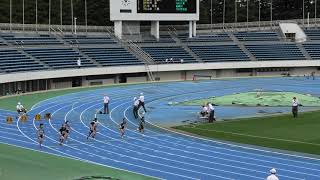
(295,104)
(211,112)
(272,176)
(79,63)
(106,101)
(204,111)
(136,103)
(20,108)
(141,99)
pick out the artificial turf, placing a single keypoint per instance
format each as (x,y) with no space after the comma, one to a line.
(257,99)
(280,132)
(23,164)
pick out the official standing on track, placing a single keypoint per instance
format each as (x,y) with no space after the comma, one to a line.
(295,104)
(106,101)
(20,108)
(272,175)
(211,112)
(141,99)
(136,103)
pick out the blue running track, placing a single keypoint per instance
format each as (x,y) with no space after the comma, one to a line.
(159,153)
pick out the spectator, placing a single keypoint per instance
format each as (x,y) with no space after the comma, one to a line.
(79,63)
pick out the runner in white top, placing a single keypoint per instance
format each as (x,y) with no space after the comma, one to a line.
(79,63)
(295,104)
(273,175)
(106,101)
(141,99)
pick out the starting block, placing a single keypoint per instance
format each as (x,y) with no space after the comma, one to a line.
(9,120)
(37,117)
(23,118)
(47,116)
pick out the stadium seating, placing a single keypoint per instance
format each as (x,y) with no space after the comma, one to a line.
(59,57)
(2,43)
(284,51)
(30,39)
(115,56)
(313,49)
(12,61)
(218,53)
(173,54)
(220,37)
(313,34)
(88,39)
(257,36)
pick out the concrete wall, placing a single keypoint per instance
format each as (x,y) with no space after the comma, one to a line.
(190,74)
(49,74)
(303,71)
(61,85)
(169,76)
(136,79)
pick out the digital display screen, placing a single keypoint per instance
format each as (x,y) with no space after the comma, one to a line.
(167,6)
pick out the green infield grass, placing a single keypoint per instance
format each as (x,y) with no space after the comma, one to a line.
(18,163)
(257,99)
(280,132)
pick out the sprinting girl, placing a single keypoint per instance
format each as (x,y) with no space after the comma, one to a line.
(40,134)
(92,130)
(123,127)
(62,131)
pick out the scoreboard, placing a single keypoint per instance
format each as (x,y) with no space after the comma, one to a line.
(167,6)
(154,10)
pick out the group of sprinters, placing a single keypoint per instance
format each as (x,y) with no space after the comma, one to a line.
(65,127)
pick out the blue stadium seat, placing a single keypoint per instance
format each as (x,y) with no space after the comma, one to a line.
(219,37)
(59,58)
(30,39)
(88,40)
(219,53)
(13,61)
(313,49)
(257,36)
(166,38)
(313,34)
(283,51)
(115,56)
(160,54)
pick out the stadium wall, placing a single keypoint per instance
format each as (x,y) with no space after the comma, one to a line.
(66,78)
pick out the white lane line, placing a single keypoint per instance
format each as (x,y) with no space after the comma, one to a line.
(111,152)
(229,144)
(143,154)
(86,152)
(207,155)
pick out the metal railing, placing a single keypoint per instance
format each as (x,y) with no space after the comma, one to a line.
(219,27)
